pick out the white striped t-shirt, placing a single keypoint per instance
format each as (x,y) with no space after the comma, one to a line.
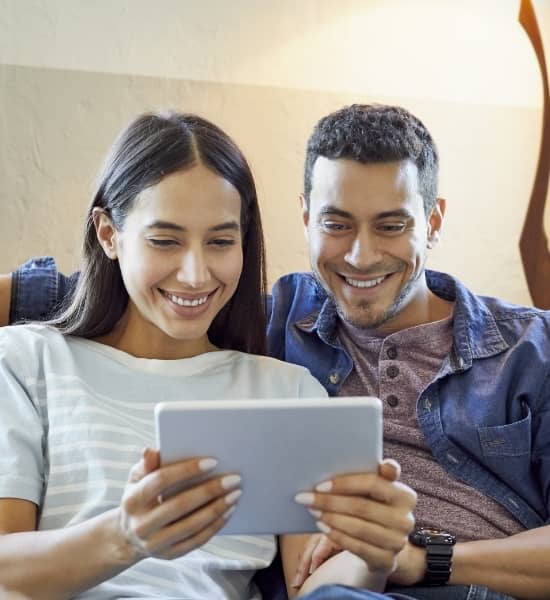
(75,415)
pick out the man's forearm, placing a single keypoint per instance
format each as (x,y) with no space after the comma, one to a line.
(518,565)
(5,299)
(62,563)
(344,568)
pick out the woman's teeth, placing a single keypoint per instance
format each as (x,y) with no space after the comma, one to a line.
(182,302)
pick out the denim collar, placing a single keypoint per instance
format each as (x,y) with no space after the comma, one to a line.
(475,330)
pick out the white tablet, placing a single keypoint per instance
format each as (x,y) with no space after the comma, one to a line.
(280,447)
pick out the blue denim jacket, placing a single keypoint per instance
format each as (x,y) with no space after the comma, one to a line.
(486,415)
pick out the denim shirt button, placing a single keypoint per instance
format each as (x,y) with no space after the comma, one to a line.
(334,378)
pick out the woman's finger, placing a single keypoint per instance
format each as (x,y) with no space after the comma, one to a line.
(372,533)
(377,559)
(150,486)
(163,540)
(370,485)
(183,504)
(396,517)
(389,469)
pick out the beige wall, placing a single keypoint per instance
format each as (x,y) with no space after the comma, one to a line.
(72,73)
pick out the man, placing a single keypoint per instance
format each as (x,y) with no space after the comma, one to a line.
(465,380)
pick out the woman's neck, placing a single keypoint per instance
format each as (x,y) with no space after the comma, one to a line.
(146,340)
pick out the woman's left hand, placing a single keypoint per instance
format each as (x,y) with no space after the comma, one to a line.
(368,514)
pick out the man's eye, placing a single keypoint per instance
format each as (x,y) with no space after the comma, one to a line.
(392,227)
(334,226)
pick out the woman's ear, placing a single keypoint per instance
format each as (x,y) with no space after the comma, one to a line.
(105,231)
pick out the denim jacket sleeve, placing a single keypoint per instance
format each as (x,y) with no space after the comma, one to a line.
(37,289)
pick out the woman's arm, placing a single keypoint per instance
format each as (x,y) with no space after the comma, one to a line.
(5,299)
(68,561)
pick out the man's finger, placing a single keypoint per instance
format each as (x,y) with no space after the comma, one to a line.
(302,571)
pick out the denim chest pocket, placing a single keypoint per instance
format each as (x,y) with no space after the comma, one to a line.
(513,439)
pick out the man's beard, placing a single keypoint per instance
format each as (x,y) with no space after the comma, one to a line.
(368,319)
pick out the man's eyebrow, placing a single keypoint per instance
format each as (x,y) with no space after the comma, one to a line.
(232,225)
(333,210)
(400,212)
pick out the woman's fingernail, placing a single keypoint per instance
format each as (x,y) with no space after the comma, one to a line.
(323,527)
(207,464)
(296,581)
(315,513)
(324,486)
(229,512)
(233,496)
(230,481)
(304,498)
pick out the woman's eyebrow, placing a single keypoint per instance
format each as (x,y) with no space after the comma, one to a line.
(232,225)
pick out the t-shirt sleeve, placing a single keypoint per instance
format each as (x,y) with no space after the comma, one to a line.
(38,288)
(310,387)
(21,429)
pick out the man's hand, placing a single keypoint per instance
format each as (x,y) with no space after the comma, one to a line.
(411,566)
(318,549)
(368,514)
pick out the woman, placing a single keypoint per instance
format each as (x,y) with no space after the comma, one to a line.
(169,305)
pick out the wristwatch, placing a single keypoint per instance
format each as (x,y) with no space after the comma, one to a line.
(439,553)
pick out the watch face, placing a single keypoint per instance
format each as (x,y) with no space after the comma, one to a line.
(425,536)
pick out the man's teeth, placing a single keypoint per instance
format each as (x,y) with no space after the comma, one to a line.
(182,302)
(360,283)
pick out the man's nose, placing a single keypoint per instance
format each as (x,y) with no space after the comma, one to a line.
(363,251)
(193,270)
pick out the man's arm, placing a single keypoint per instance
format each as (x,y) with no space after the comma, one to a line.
(518,565)
(5,299)
(344,568)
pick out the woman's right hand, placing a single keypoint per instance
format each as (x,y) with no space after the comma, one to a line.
(168,527)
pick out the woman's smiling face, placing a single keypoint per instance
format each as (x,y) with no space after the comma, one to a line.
(180,255)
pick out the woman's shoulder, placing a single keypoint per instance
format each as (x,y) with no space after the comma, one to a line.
(29,333)
(281,374)
(29,341)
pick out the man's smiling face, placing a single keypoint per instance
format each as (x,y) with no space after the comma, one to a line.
(368,237)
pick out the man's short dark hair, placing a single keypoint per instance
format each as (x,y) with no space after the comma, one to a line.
(374,133)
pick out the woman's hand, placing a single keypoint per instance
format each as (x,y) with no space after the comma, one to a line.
(368,514)
(153,523)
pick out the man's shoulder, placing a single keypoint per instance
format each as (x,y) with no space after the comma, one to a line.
(38,288)
(297,294)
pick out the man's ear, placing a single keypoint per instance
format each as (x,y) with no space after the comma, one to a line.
(105,231)
(435,221)
(305,213)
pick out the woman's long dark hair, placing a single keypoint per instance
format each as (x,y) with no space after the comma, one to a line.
(151,147)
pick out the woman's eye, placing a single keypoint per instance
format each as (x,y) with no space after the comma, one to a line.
(161,243)
(222,242)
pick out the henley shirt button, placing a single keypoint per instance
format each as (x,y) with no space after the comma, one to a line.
(334,378)
(391,352)
(392,371)
(392,400)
